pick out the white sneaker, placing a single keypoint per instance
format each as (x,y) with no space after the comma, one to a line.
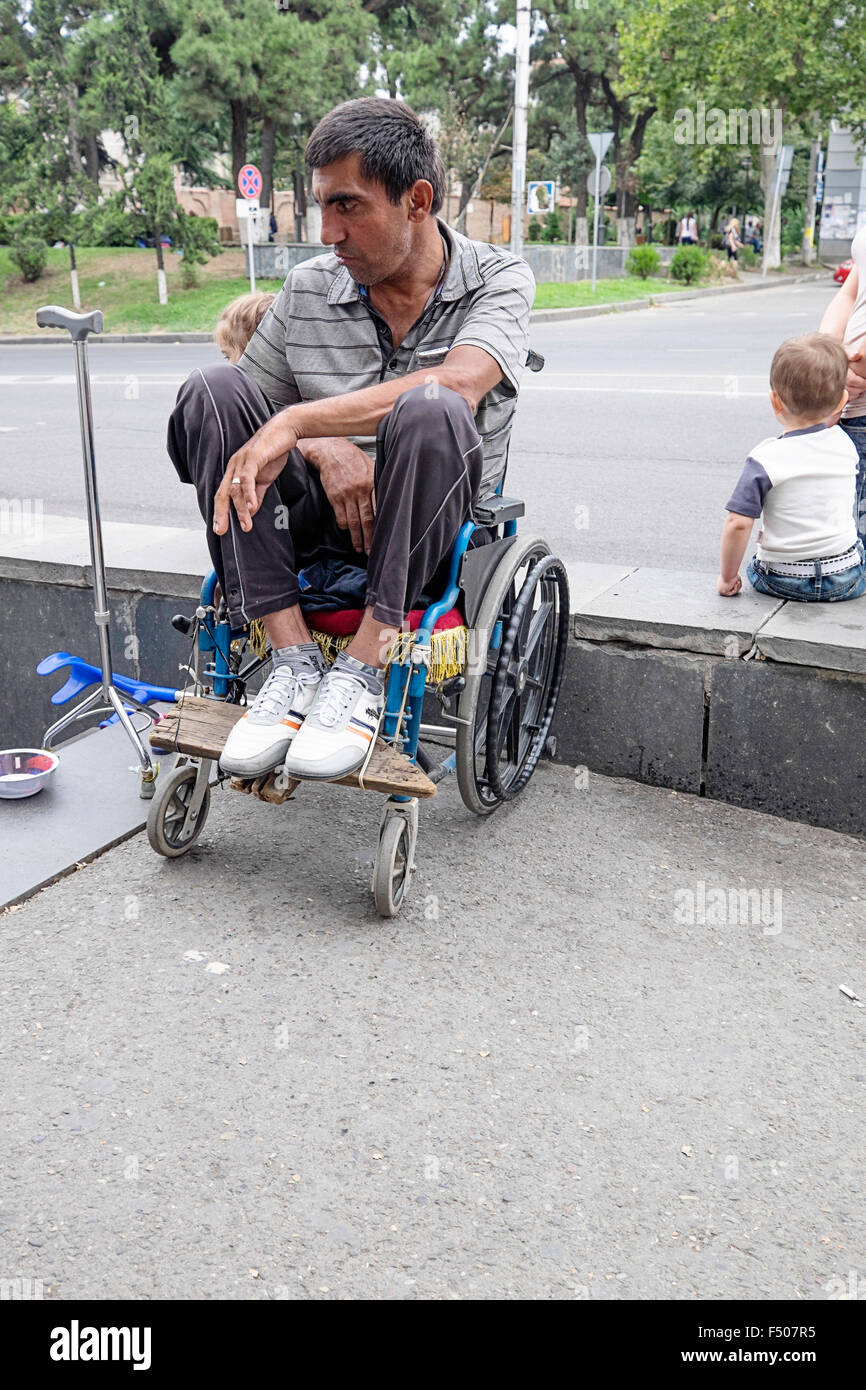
(260,739)
(337,732)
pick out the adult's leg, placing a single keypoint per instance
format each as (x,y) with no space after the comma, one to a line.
(855,428)
(429,458)
(218,409)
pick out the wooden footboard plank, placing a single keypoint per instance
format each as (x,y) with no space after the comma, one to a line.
(392,773)
(200,728)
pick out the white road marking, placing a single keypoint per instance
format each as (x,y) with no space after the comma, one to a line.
(648,391)
(98,379)
(8,429)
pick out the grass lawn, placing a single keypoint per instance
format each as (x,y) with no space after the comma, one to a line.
(127,295)
(551,295)
(122,283)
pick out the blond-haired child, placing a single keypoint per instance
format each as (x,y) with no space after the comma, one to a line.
(238,322)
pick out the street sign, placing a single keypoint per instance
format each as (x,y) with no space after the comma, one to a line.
(600,143)
(783,166)
(604,181)
(541,196)
(250,181)
(250,185)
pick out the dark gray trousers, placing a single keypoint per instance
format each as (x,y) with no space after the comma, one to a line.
(428,468)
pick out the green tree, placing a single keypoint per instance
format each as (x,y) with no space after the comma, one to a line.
(130,92)
(445,58)
(803,60)
(552,226)
(580,50)
(55,186)
(15,45)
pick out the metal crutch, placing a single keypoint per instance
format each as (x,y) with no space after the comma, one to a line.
(105,699)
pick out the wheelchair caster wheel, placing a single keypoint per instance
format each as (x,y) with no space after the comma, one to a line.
(395,859)
(179,810)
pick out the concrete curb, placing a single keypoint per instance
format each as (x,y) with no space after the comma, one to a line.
(584,311)
(669,296)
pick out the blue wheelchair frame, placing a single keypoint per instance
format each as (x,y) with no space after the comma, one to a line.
(401,720)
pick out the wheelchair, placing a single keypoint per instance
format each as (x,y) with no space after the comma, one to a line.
(492,647)
(490,652)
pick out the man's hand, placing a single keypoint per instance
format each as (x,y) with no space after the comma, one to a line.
(347,477)
(251,471)
(729,587)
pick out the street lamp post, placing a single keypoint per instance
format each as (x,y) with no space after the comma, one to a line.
(521,102)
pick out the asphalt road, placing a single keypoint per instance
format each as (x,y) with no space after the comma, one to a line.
(225,1078)
(626,447)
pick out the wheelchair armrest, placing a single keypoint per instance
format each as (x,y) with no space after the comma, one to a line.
(492,511)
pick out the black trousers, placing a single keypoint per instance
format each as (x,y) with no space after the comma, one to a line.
(428,469)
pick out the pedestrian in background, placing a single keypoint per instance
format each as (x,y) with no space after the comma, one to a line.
(732,239)
(687,232)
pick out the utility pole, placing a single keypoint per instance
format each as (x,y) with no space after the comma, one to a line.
(521,103)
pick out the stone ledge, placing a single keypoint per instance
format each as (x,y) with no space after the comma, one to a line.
(675,609)
(140,559)
(827,635)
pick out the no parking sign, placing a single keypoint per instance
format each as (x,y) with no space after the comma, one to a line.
(250,186)
(250,181)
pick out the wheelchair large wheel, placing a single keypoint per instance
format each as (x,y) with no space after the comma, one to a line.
(512,686)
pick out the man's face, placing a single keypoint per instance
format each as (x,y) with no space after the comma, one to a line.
(370,235)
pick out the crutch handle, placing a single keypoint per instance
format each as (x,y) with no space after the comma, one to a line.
(78,325)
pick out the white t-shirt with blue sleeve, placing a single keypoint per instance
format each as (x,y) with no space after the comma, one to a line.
(801,484)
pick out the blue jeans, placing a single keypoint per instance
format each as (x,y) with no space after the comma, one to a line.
(856,431)
(816,588)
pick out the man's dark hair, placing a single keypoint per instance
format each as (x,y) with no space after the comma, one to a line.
(394,145)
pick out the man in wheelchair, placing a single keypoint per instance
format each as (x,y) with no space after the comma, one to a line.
(369,412)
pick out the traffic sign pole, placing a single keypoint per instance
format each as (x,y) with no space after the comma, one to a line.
(250,251)
(250,186)
(599,145)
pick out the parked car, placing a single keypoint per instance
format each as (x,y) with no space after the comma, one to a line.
(841,273)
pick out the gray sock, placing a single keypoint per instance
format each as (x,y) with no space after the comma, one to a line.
(372,676)
(305,656)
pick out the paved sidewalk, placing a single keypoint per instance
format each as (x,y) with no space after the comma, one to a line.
(570,1070)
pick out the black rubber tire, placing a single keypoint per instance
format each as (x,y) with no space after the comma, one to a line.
(498,603)
(508,779)
(391,875)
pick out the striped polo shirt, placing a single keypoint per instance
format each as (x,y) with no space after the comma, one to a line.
(321,337)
